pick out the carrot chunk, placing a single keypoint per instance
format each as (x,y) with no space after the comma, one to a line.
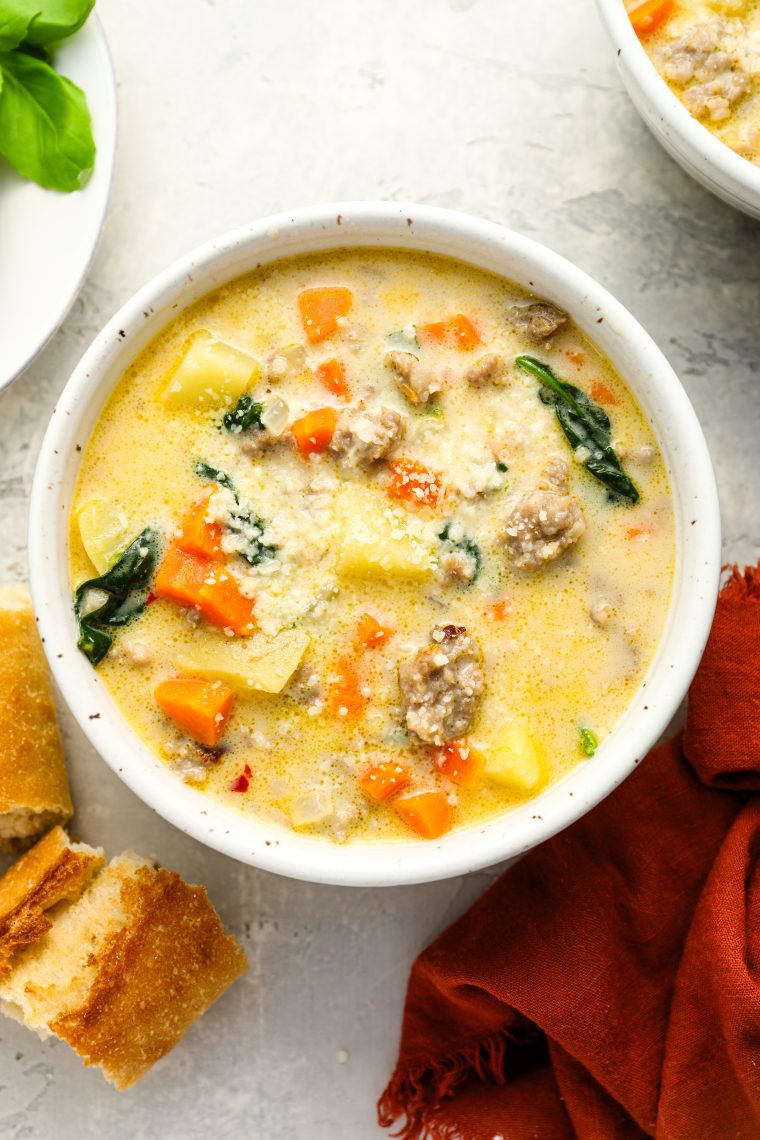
(647,17)
(370,632)
(180,576)
(199,708)
(320,309)
(455,332)
(602,394)
(198,535)
(332,375)
(384,780)
(314,431)
(429,813)
(459,761)
(222,604)
(200,582)
(345,698)
(414,482)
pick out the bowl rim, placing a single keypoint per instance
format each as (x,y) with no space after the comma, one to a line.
(476,242)
(736,174)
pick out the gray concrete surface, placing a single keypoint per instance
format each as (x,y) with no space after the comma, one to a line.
(231,110)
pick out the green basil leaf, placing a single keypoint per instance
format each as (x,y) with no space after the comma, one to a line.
(36,50)
(586,425)
(53,19)
(45,127)
(14,23)
(40,21)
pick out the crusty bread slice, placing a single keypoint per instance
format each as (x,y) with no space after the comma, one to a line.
(34,789)
(124,969)
(55,870)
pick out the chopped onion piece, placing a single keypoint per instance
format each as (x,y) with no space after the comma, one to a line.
(275,416)
(312,808)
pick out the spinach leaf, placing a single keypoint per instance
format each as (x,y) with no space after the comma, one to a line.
(586,425)
(247,527)
(44,21)
(589,741)
(206,471)
(245,414)
(468,546)
(102,604)
(45,127)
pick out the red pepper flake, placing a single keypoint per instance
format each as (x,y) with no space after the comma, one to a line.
(150,598)
(242,781)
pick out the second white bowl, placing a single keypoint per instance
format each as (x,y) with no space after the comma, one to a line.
(734,179)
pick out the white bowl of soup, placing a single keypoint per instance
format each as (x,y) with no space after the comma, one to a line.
(373,543)
(691,69)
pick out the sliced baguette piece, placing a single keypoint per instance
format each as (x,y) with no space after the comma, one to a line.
(34,789)
(55,870)
(125,969)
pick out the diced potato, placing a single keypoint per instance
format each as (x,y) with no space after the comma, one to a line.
(208,372)
(513,760)
(311,808)
(104,533)
(374,540)
(257,664)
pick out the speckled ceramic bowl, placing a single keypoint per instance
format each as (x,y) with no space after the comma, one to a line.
(482,244)
(734,179)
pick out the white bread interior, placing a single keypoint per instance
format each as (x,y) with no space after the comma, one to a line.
(54,975)
(116,959)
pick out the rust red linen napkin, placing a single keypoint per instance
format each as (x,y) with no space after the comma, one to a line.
(608,986)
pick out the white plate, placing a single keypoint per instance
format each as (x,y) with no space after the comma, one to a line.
(47,239)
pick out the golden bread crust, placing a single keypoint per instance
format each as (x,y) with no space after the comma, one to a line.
(155,976)
(46,875)
(32,771)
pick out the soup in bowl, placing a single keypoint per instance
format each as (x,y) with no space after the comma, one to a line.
(691,68)
(374,546)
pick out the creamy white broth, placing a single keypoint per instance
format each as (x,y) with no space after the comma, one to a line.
(708,51)
(563,647)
